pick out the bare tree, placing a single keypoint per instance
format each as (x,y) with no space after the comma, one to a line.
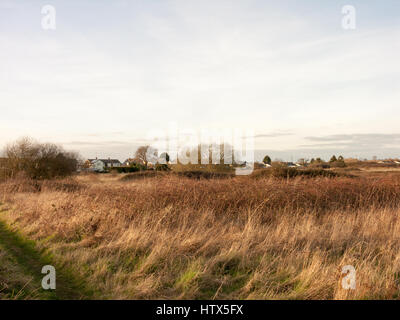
(141,155)
(39,160)
(302,161)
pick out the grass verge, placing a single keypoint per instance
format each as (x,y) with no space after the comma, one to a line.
(21,275)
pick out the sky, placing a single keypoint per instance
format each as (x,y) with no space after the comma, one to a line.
(112,72)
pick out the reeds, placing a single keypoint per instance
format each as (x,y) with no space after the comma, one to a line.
(235,238)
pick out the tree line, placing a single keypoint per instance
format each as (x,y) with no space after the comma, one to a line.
(338,161)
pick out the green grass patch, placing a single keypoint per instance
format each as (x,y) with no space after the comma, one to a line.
(31,260)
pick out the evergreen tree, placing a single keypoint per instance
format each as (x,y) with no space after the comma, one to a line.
(267,160)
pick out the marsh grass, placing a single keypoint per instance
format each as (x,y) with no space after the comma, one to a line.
(176,237)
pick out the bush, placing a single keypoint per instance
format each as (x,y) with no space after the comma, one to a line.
(333,159)
(267,160)
(322,165)
(225,168)
(140,166)
(198,175)
(126,169)
(338,164)
(284,172)
(39,160)
(318,173)
(162,167)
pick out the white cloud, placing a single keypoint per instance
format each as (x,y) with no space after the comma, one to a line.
(201,64)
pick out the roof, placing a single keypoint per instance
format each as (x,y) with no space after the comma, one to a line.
(106,161)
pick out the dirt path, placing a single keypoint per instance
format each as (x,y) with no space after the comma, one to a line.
(22,260)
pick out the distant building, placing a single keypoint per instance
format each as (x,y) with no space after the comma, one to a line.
(291,165)
(128,162)
(99,165)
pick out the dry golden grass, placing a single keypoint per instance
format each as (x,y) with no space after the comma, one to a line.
(235,238)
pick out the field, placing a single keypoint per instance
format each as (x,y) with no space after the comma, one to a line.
(166,236)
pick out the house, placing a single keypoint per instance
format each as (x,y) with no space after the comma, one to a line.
(99,165)
(291,165)
(128,162)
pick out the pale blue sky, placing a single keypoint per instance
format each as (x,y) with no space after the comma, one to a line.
(113,70)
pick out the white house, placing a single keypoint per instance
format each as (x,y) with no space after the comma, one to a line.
(99,165)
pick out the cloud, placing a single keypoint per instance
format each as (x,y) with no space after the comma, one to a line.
(367,141)
(99,134)
(107,143)
(269,135)
(96,143)
(272,135)
(218,64)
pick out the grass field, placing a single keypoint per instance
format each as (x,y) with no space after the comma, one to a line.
(176,237)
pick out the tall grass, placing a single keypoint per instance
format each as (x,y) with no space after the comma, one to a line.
(176,237)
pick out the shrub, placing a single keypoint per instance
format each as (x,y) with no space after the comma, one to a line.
(321,165)
(267,160)
(39,160)
(162,167)
(126,169)
(317,173)
(284,172)
(338,164)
